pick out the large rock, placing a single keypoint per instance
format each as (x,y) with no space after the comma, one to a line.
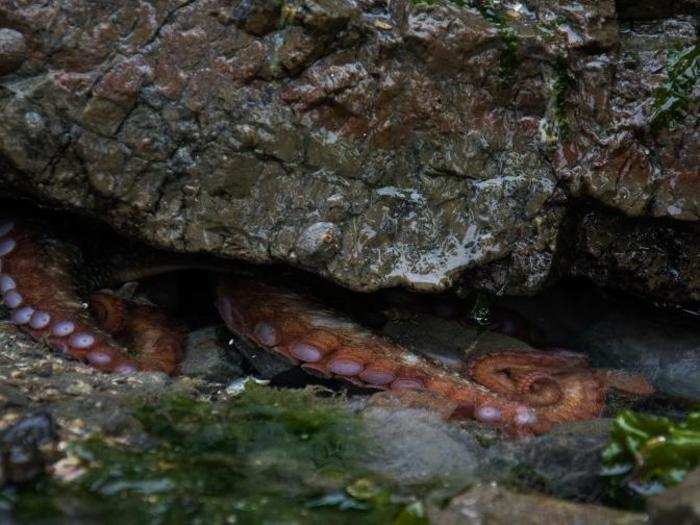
(375,143)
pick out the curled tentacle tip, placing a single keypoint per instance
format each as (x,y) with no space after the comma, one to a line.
(108,310)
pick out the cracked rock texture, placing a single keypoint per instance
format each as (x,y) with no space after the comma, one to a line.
(375,143)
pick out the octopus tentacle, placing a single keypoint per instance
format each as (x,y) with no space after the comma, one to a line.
(158,341)
(37,286)
(523,392)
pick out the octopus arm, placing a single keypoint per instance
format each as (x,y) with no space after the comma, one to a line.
(522,392)
(38,286)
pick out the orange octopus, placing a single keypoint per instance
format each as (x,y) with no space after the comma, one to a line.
(521,392)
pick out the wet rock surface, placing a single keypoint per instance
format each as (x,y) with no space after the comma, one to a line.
(565,463)
(21,457)
(375,144)
(452,458)
(679,505)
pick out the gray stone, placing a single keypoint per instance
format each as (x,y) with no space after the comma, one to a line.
(413,447)
(564,463)
(207,356)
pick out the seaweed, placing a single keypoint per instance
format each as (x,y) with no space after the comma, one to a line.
(563,84)
(269,456)
(649,453)
(672,98)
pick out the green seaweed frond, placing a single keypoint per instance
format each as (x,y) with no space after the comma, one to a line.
(563,83)
(649,453)
(671,99)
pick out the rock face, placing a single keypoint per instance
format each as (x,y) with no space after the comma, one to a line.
(375,143)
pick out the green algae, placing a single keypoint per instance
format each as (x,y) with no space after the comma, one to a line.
(672,98)
(509,59)
(563,84)
(268,456)
(649,453)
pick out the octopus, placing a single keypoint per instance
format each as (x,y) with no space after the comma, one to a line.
(522,392)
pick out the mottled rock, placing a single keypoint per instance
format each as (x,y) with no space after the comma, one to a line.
(375,144)
(565,462)
(679,505)
(657,258)
(13,50)
(21,457)
(496,505)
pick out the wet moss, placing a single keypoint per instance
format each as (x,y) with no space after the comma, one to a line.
(270,456)
(672,98)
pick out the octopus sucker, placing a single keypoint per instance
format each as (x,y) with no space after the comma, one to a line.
(37,285)
(520,391)
(524,392)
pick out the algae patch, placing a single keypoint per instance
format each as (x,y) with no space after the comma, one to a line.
(268,456)
(649,453)
(672,98)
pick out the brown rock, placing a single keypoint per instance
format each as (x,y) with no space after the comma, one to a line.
(439,141)
(494,505)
